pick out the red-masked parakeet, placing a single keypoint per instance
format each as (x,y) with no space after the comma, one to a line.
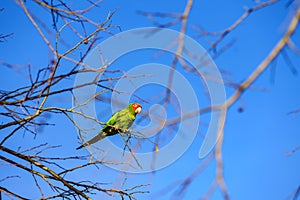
(119,122)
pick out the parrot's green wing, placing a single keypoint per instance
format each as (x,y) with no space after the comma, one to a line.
(111,128)
(124,120)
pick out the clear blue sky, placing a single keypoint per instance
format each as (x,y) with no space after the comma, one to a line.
(255,141)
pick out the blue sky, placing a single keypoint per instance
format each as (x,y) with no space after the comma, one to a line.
(255,140)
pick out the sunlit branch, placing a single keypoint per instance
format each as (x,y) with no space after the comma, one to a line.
(265,63)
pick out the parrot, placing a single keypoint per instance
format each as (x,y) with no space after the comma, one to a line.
(119,121)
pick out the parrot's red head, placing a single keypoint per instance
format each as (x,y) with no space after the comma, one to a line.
(137,108)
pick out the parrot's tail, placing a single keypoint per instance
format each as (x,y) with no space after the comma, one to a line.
(97,138)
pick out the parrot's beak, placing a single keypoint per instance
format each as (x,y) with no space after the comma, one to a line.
(138,110)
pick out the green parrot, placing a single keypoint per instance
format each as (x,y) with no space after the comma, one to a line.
(120,121)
